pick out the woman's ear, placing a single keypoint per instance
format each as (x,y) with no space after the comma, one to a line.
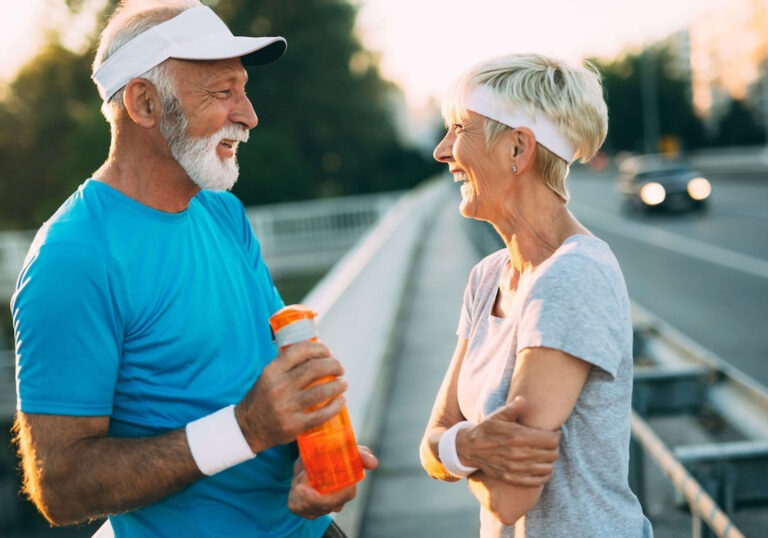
(522,150)
(142,103)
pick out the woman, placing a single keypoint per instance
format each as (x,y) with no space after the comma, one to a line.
(545,322)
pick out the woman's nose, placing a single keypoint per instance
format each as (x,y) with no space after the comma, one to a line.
(444,149)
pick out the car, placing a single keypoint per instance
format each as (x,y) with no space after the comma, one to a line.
(653,183)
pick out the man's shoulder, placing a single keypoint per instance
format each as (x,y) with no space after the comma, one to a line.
(79,220)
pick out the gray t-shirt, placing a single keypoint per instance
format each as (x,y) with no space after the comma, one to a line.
(575,301)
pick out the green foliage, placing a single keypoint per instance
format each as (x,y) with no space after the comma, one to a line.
(738,127)
(51,135)
(622,84)
(324,124)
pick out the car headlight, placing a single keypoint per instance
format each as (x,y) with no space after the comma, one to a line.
(699,188)
(652,193)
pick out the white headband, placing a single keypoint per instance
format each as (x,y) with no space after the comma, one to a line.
(484,101)
(194,34)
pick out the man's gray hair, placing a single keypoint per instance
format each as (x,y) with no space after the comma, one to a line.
(131,18)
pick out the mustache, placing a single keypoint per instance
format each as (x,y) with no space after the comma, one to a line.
(232,132)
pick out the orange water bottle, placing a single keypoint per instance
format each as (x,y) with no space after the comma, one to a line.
(329,451)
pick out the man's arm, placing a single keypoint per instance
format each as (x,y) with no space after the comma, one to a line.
(75,471)
(550,381)
(500,446)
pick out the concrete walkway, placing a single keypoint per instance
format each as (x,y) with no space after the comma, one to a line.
(404,502)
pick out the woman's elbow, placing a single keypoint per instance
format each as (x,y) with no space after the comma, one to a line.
(507,515)
(432,464)
(505,503)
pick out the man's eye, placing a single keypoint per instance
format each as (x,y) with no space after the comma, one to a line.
(458,126)
(224,93)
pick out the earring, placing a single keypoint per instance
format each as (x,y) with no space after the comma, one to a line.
(514,169)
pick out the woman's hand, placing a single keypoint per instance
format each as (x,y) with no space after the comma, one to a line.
(506,450)
(307,502)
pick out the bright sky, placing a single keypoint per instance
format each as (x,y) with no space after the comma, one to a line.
(425,44)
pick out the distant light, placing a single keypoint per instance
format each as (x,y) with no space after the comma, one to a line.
(652,193)
(699,188)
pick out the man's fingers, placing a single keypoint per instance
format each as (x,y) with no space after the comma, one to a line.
(367,458)
(319,395)
(318,416)
(314,370)
(300,352)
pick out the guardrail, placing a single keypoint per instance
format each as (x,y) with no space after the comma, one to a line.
(13,249)
(312,235)
(716,422)
(738,161)
(7,385)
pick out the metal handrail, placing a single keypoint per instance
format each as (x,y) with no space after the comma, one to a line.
(701,504)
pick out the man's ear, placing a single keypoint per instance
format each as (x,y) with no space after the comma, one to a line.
(142,103)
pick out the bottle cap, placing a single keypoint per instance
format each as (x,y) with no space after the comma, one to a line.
(292,324)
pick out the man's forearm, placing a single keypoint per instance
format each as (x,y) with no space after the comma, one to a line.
(93,477)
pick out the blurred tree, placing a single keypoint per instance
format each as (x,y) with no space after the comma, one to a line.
(325,127)
(739,126)
(52,135)
(622,83)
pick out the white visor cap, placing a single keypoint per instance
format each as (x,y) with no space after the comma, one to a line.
(195,34)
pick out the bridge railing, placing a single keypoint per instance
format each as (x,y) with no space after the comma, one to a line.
(720,463)
(312,235)
(325,222)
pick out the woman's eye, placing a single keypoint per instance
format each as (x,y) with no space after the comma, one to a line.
(458,126)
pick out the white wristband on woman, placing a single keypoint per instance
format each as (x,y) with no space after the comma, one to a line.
(216,441)
(446,449)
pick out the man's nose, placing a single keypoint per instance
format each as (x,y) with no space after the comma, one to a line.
(244,114)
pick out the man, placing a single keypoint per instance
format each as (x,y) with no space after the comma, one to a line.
(149,387)
(143,306)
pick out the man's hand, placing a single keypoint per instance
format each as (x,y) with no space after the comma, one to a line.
(506,450)
(307,502)
(275,412)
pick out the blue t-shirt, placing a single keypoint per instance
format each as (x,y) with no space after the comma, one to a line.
(156,319)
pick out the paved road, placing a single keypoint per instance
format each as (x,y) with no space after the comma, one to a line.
(705,274)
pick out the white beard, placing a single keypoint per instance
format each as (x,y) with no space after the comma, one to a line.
(197,155)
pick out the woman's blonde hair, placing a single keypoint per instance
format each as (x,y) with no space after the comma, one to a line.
(571,96)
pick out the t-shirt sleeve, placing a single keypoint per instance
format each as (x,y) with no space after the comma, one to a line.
(68,333)
(574,307)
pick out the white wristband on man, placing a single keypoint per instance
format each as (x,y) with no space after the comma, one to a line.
(216,441)
(446,449)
